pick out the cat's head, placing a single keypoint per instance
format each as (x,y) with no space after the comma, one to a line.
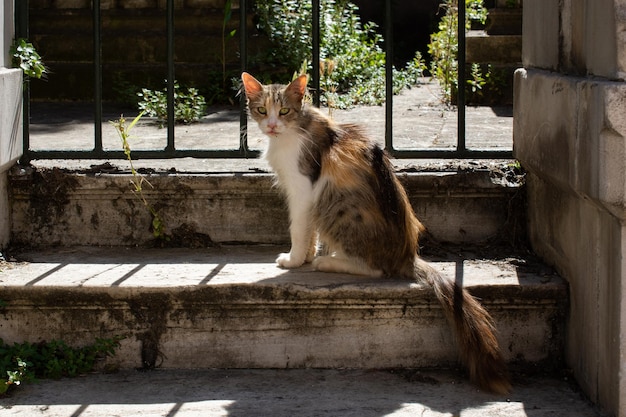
(274,107)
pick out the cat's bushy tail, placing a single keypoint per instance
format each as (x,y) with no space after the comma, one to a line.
(474,330)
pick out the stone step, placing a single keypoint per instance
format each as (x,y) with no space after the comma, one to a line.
(231,307)
(98,207)
(493,49)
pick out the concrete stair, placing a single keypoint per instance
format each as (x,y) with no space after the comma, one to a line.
(231,307)
(65,207)
(84,268)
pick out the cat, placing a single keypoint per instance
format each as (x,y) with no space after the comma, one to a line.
(350,214)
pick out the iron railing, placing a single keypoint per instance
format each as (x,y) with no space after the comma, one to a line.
(170,151)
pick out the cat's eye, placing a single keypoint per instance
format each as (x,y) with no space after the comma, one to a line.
(284,111)
(261,110)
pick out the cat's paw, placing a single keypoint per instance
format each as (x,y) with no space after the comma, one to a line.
(323,263)
(287,261)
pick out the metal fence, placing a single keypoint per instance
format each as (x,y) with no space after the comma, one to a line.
(171,151)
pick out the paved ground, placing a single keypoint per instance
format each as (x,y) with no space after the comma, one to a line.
(290,393)
(420,121)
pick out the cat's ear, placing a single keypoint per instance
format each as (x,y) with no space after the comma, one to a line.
(251,85)
(297,88)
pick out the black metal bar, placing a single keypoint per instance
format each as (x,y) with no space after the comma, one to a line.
(243,59)
(315,45)
(236,154)
(461,146)
(388,75)
(452,154)
(144,154)
(97,71)
(170,77)
(22,31)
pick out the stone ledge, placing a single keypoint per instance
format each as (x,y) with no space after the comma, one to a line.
(57,207)
(11,146)
(10,117)
(231,307)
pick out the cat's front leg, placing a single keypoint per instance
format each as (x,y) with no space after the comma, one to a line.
(300,230)
(301,248)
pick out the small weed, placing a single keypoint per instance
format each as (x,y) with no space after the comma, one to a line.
(477,80)
(138,180)
(25,56)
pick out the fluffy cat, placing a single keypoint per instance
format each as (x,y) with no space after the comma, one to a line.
(343,195)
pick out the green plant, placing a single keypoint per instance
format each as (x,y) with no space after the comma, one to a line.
(352,61)
(138,181)
(475,11)
(189,106)
(23,362)
(25,56)
(443,49)
(477,79)
(16,374)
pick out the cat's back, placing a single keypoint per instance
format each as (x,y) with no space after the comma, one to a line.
(361,206)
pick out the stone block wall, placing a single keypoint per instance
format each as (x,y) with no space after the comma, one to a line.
(570,134)
(134,46)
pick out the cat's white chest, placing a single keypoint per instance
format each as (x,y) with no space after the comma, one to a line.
(283,155)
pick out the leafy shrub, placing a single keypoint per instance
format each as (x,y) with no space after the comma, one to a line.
(353,62)
(188,104)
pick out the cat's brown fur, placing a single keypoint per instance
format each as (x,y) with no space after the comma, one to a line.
(341,188)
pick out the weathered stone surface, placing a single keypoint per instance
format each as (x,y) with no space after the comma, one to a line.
(232,307)
(570,134)
(10,140)
(10,117)
(484,48)
(576,37)
(586,244)
(55,207)
(540,26)
(573,130)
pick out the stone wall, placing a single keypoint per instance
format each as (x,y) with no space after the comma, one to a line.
(570,134)
(134,46)
(10,118)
